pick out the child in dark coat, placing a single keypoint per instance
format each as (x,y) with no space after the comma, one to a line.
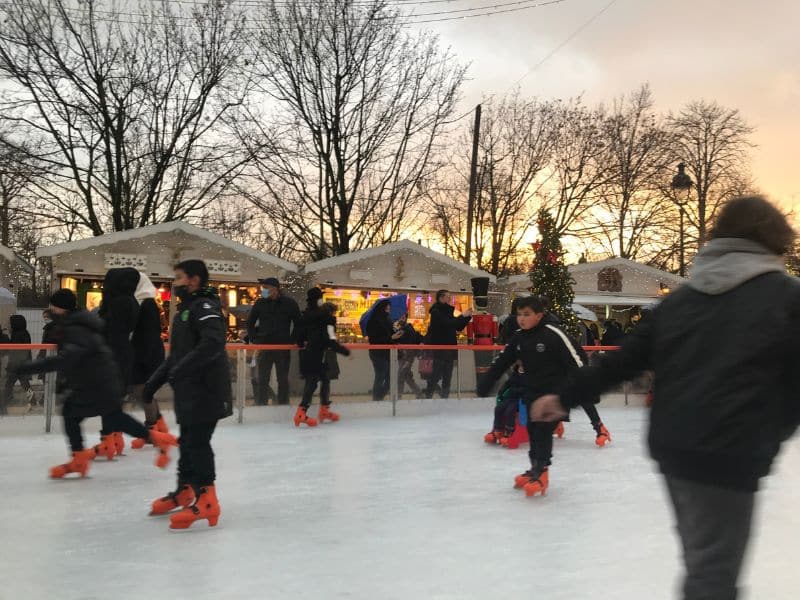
(19,335)
(91,377)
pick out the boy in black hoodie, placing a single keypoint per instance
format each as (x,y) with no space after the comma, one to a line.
(19,335)
(92,378)
(548,356)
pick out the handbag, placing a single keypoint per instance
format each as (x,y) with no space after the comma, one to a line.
(425,364)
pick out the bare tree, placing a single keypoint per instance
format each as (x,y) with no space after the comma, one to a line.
(125,107)
(516,141)
(579,165)
(714,143)
(631,210)
(18,175)
(358,107)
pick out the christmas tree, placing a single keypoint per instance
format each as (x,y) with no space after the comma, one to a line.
(550,277)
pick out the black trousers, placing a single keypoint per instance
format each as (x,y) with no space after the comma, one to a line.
(196,461)
(380,384)
(591,411)
(115,420)
(714,527)
(281,360)
(405,375)
(311,386)
(442,372)
(505,414)
(8,389)
(540,435)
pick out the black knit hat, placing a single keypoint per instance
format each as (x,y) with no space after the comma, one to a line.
(65,299)
(314,294)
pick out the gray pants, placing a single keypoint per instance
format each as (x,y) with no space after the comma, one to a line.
(714,526)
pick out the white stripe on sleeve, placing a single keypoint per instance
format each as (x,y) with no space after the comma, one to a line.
(567,343)
(331,332)
(209,317)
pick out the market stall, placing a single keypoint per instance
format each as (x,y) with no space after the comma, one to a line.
(235,269)
(355,281)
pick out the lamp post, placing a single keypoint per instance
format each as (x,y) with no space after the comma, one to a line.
(681,186)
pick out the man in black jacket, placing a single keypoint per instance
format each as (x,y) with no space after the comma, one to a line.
(442,330)
(197,369)
(725,400)
(273,320)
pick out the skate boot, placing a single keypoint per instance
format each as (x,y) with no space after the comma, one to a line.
(559,432)
(493,437)
(538,483)
(183,497)
(325,413)
(119,443)
(78,464)
(107,447)
(301,417)
(206,506)
(159,425)
(163,442)
(521,480)
(603,437)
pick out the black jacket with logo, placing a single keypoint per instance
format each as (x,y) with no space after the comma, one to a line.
(197,365)
(727,373)
(548,357)
(273,321)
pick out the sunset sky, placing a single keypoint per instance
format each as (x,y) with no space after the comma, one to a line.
(742,53)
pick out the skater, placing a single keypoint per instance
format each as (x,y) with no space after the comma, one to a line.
(380,330)
(507,407)
(442,330)
(148,353)
(19,335)
(92,379)
(273,320)
(316,337)
(724,405)
(548,357)
(197,369)
(406,358)
(602,435)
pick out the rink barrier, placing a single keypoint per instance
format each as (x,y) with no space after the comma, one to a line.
(49,387)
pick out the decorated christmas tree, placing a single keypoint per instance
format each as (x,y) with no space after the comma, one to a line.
(549,274)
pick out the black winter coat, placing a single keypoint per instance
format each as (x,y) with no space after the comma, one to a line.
(316,341)
(548,357)
(197,366)
(273,321)
(410,336)
(726,395)
(148,349)
(380,330)
(120,312)
(444,327)
(19,335)
(84,361)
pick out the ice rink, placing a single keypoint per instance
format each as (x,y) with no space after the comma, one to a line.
(368,508)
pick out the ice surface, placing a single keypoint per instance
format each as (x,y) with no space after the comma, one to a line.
(373,508)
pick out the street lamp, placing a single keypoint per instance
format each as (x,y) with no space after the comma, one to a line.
(681,186)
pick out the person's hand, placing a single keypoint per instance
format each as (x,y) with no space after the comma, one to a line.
(467,313)
(397,336)
(547,408)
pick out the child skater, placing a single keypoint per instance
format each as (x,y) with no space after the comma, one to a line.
(197,370)
(92,377)
(317,335)
(548,357)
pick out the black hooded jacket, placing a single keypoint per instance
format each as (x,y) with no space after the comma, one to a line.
(380,329)
(90,373)
(197,365)
(726,396)
(120,312)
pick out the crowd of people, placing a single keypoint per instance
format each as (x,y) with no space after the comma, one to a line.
(717,423)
